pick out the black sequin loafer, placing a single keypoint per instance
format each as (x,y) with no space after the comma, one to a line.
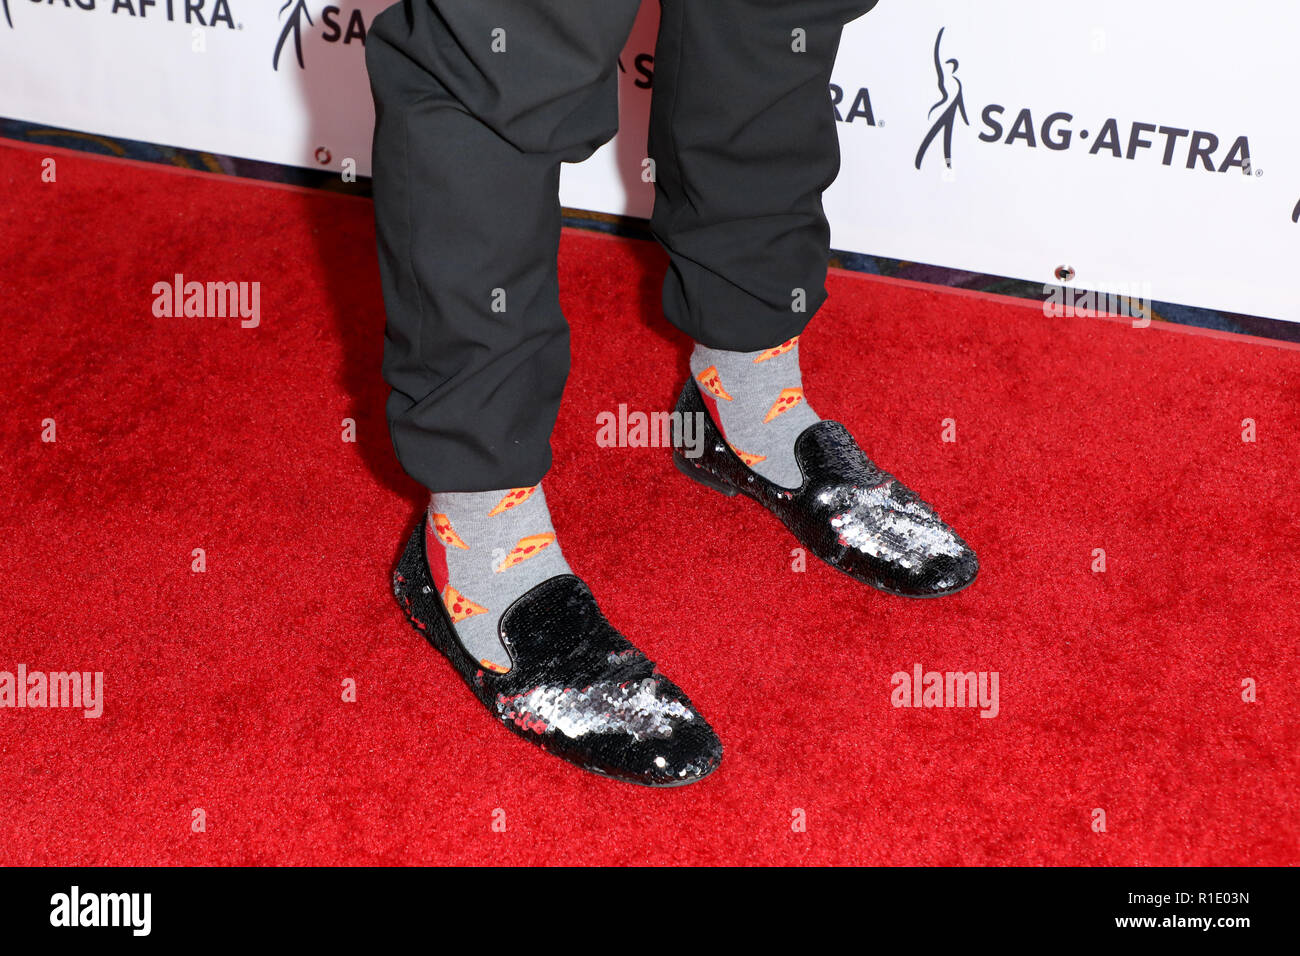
(576,687)
(847,511)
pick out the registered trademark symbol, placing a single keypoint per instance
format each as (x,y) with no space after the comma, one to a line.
(1259,172)
(880,122)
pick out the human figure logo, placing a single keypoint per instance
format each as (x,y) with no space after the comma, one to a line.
(292,28)
(946,71)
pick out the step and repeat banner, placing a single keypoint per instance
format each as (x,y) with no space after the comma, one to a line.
(1149,147)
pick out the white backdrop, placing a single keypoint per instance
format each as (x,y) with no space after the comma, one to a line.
(1126,205)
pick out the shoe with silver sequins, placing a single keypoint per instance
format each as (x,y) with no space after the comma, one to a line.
(576,687)
(855,517)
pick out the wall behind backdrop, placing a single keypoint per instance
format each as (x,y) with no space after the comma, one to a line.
(1151,146)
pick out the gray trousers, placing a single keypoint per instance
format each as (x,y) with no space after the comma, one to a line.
(477,104)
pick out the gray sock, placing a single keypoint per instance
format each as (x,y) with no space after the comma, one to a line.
(759,405)
(486,548)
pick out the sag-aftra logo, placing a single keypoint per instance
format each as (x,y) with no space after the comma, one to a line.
(197,13)
(1169,143)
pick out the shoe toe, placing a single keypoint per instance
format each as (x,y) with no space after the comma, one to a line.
(914,571)
(641,731)
(661,741)
(688,754)
(946,573)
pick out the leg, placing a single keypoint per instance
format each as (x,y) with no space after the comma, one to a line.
(743,136)
(744,140)
(477,103)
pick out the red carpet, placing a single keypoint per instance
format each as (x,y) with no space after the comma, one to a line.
(1119,691)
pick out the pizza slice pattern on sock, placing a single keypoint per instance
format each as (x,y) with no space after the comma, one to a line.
(781,349)
(514,497)
(749,459)
(527,547)
(446,533)
(788,399)
(483,552)
(458,606)
(757,403)
(712,383)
